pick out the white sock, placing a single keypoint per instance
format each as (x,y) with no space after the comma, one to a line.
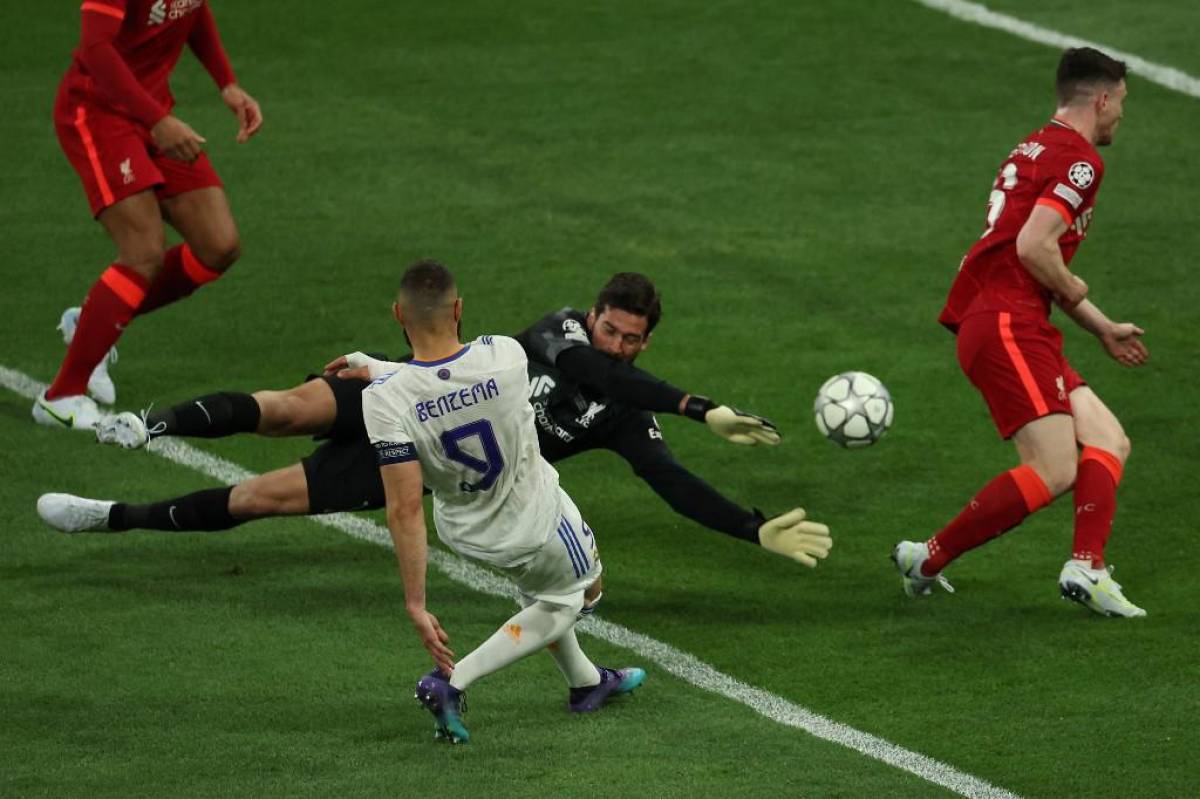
(578,671)
(527,632)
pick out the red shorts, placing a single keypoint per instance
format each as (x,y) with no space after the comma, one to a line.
(1017,363)
(116,157)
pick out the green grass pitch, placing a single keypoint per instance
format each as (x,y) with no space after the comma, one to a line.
(801,180)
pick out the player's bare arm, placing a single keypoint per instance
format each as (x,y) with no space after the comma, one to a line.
(205,42)
(1037,247)
(1121,340)
(406,521)
(245,108)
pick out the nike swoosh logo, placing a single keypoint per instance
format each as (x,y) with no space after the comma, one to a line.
(207,415)
(69,421)
(1092,580)
(171,513)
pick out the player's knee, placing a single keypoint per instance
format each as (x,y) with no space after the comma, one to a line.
(1122,447)
(1058,475)
(228,253)
(143,257)
(252,500)
(221,252)
(248,501)
(281,414)
(1062,477)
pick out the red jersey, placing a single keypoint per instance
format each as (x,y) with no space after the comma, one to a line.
(147,37)
(1055,167)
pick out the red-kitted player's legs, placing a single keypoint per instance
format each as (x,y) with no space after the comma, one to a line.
(135,225)
(1105,449)
(203,217)
(130,188)
(1047,449)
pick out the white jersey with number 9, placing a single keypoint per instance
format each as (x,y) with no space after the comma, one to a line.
(468,420)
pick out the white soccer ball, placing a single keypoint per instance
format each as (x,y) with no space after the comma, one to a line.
(853,409)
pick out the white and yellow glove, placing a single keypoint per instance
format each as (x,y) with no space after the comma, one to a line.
(792,536)
(732,424)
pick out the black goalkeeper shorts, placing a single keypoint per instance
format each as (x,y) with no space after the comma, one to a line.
(342,473)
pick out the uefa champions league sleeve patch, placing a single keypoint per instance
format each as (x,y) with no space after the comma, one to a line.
(1081,174)
(387,452)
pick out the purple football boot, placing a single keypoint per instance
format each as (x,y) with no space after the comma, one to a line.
(446,703)
(613,682)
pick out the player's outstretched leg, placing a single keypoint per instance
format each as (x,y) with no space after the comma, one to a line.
(225,413)
(283,492)
(446,703)
(203,511)
(1047,449)
(531,629)
(310,408)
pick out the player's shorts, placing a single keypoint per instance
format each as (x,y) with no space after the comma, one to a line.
(1017,363)
(115,156)
(343,473)
(565,565)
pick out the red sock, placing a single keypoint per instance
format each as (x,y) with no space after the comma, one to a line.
(111,303)
(1095,503)
(182,273)
(1000,506)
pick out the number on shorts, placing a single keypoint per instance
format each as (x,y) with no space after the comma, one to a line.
(493,461)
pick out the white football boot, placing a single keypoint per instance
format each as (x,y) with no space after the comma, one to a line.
(1096,590)
(125,429)
(908,557)
(79,412)
(72,514)
(100,385)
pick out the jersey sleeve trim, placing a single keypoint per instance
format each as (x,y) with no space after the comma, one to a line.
(1058,207)
(100,8)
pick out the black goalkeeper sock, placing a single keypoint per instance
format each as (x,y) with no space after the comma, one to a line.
(211,416)
(205,511)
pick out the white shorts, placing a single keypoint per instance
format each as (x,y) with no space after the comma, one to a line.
(565,565)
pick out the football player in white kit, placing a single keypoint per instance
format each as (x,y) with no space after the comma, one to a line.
(457,418)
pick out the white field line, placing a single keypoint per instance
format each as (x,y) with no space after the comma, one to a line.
(685,666)
(978,14)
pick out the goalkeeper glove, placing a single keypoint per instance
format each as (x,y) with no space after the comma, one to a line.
(730,423)
(792,536)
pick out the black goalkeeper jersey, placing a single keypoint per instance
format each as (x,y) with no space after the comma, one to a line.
(574,390)
(572,416)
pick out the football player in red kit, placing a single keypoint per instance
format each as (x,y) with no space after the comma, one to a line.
(139,165)
(999,307)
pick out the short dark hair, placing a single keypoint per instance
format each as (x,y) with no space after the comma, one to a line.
(425,286)
(633,293)
(1081,68)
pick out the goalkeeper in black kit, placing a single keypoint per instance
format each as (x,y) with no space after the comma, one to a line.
(585,392)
